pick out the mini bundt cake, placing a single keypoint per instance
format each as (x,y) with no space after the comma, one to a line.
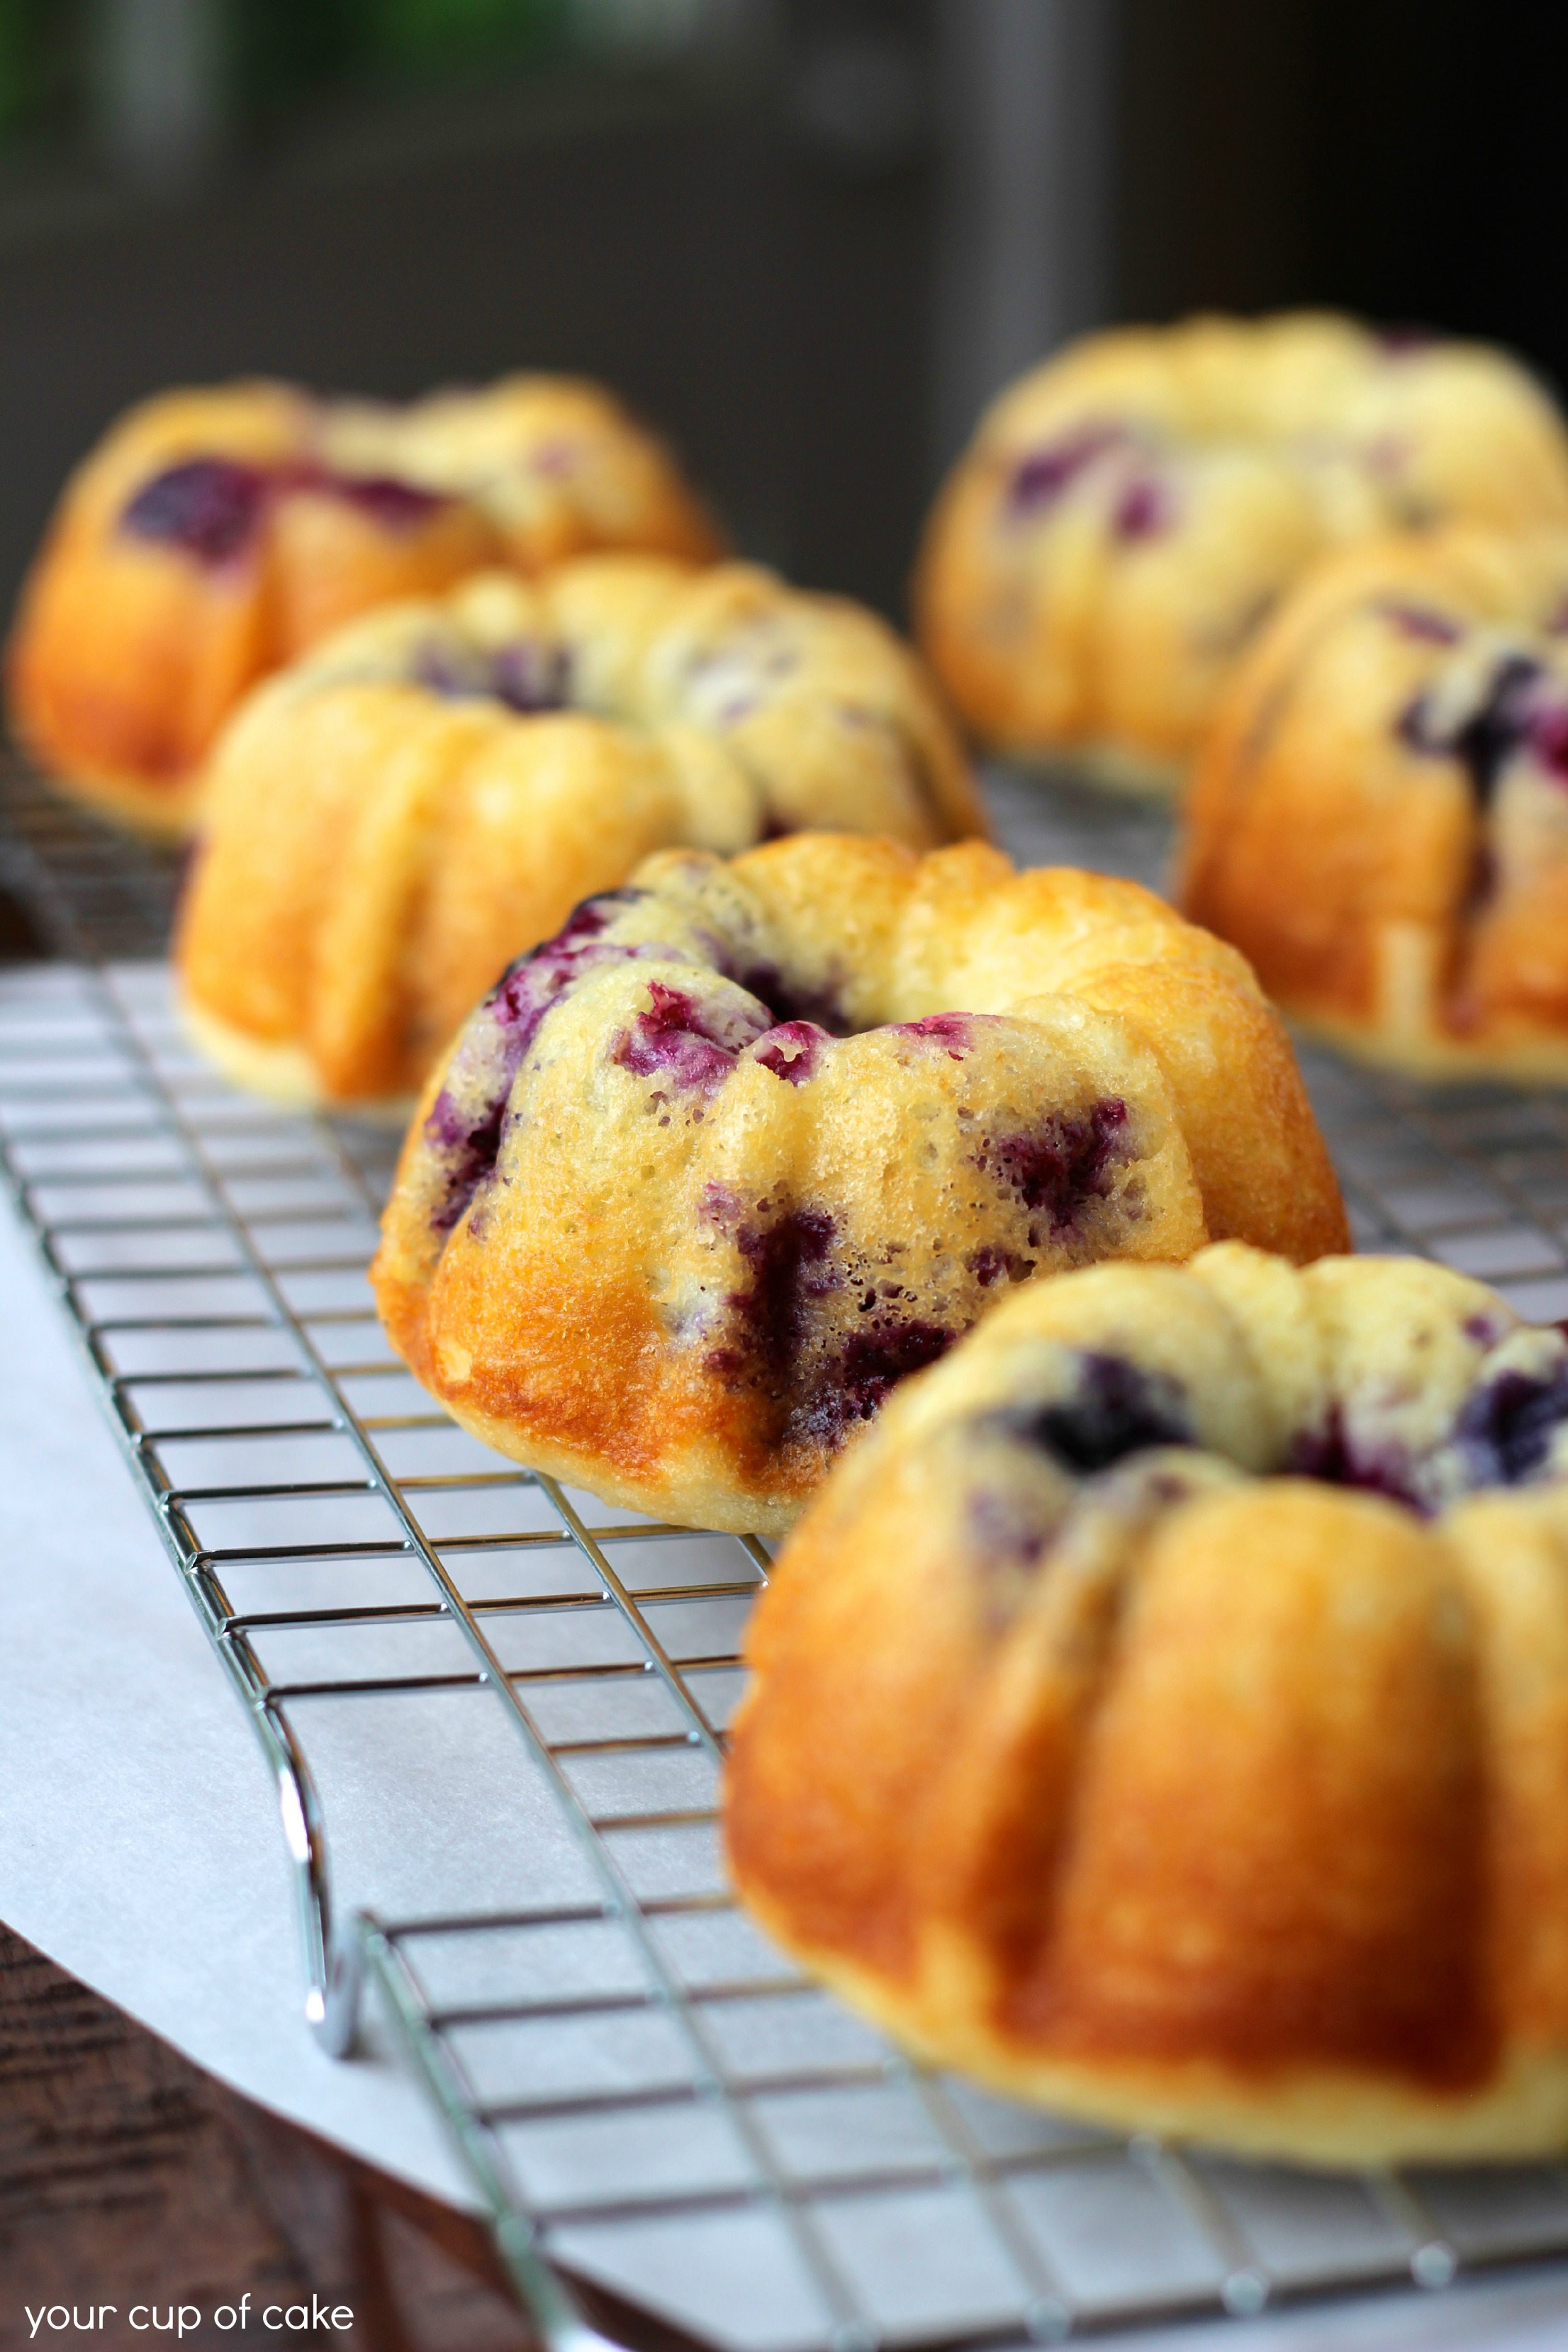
(709,1172)
(213,535)
(1129,513)
(433,790)
(1379,817)
(1163,1714)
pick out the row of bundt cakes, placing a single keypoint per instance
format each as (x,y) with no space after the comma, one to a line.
(1127,518)
(1161,1712)
(1166,549)
(743,1146)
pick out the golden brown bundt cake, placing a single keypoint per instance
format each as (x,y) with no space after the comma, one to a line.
(559,466)
(1379,817)
(709,1172)
(1163,1714)
(214,535)
(433,790)
(1129,513)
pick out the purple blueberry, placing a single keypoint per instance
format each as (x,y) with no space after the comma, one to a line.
(991,1262)
(448,669)
(210,507)
(1509,717)
(790,1050)
(791,1268)
(1010,1528)
(1144,510)
(1420,621)
(1549,740)
(1333,1457)
(464,1123)
(954,1032)
(527,677)
(692,1045)
(1045,475)
(1506,1427)
(1116,1409)
(394,504)
(857,1383)
(790,1258)
(1070,1159)
(470,1143)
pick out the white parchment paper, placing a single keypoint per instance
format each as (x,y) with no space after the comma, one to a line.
(140,1844)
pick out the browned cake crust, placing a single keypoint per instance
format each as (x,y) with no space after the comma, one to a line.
(215,534)
(1129,513)
(430,793)
(1100,1748)
(1379,818)
(658,1231)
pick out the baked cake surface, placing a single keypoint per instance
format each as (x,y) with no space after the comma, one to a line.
(1129,514)
(1379,817)
(214,534)
(1163,1714)
(713,1171)
(429,795)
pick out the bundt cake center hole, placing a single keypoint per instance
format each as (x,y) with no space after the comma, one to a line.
(790,1000)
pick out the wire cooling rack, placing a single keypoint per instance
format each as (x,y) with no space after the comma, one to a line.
(510,1701)
(85,890)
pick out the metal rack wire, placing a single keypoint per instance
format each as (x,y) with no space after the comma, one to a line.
(510,1702)
(86,891)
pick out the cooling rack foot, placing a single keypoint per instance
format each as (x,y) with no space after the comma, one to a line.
(333,2009)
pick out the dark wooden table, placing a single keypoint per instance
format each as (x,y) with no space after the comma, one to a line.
(129,2176)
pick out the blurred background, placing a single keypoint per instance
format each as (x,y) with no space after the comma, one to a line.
(807,237)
